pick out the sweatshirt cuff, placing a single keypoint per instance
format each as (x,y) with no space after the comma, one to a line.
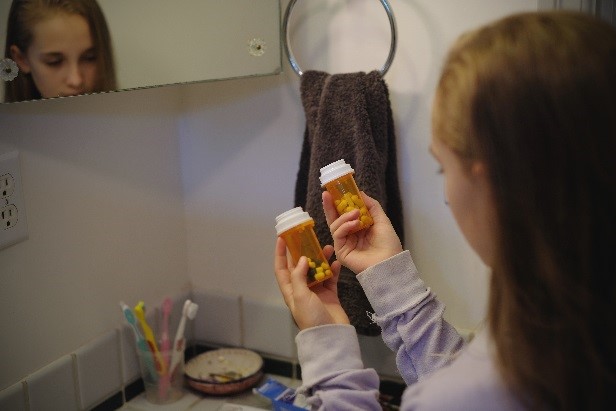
(327,349)
(398,279)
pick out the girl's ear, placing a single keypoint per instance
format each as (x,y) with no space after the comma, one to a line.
(479,174)
(20,58)
(478,169)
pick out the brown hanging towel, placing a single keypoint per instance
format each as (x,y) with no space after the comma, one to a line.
(349,116)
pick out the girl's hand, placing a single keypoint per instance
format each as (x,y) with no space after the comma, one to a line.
(361,249)
(310,307)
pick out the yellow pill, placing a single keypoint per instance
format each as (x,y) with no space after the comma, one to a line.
(319,276)
(336,202)
(346,210)
(319,269)
(355,198)
(363,211)
(324,265)
(341,206)
(366,220)
(348,196)
(312,264)
(328,273)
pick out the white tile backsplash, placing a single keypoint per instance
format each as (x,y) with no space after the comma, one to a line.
(268,327)
(129,361)
(13,398)
(107,364)
(53,386)
(98,369)
(218,318)
(104,366)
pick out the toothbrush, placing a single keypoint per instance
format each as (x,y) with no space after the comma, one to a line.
(165,342)
(161,367)
(139,340)
(189,311)
(165,346)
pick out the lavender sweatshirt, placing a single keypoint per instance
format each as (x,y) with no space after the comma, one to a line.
(441,373)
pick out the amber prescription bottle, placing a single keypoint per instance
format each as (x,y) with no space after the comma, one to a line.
(296,227)
(337,178)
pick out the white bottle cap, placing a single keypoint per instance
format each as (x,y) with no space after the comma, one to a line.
(334,170)
(290,219)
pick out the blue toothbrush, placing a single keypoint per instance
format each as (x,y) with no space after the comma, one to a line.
(142,345)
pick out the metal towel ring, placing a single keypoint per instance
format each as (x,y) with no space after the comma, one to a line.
(392,47)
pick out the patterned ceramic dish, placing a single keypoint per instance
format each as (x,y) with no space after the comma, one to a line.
(224,371)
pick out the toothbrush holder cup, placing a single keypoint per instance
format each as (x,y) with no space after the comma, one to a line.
(163,383)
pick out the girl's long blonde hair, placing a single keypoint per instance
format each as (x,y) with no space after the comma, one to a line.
(533,96)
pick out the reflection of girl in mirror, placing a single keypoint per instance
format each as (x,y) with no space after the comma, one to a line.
(62,48)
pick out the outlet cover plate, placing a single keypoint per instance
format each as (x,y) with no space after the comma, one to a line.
(13,224)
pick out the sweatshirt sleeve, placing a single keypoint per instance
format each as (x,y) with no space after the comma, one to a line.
(333,374)
(410,317)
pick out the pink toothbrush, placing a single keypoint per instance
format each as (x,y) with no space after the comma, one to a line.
(165,341)
(165,345)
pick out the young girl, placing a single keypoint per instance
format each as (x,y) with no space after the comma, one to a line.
(524,129)
(62,48)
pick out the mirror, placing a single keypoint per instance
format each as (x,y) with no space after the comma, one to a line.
(162,42)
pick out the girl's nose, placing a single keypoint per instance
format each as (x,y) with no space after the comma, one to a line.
(74,77)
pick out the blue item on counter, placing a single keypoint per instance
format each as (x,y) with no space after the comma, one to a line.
(283,398)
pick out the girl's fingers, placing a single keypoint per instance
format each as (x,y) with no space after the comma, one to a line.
(345,225)
(374,207)
(369,201)
(280,256)
(348,221)
(328,207)
(331,214)
(328,252)
(281,270)
(335,267)
(298,278)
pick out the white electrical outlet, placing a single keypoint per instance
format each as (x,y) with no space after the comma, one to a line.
(13,226)
(9,216)
(7,185)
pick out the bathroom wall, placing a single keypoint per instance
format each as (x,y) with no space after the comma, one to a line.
(240,149)
(143,194)
(103,197)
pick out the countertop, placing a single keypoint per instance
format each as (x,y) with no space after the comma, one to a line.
(195,401)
